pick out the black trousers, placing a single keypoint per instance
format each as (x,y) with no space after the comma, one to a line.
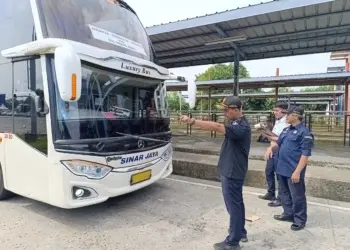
(232,190)
(293,199)
(270,175)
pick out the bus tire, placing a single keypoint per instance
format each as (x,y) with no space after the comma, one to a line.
(4,194)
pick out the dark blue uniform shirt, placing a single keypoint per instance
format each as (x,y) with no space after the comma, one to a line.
(293,142)
(233,161)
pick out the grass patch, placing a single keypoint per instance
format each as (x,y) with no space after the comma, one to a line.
(38,142)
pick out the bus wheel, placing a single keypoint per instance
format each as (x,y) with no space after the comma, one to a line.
(4,194)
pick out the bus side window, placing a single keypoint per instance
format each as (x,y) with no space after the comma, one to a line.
(28,125)
(5,98)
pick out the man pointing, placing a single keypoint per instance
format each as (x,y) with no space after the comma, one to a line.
(232,166)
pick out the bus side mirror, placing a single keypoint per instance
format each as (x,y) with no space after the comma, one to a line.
(192,92)
(68,73)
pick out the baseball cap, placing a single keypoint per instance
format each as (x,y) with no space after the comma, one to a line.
(230,102)
(295,110)
(282,105)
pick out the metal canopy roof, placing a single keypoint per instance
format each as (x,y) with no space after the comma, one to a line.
(274,29)
(268,82)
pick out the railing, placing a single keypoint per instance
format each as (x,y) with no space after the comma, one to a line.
(326,128)
(347,130)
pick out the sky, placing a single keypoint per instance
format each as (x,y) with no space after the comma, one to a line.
(170,11)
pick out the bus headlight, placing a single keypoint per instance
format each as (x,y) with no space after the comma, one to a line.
(88,169)
(167,153)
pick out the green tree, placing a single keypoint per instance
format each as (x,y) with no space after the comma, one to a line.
(218,72)
(251,103)
(270,102)
(174,102)
(318,88)
(222,72)
(284,90)
(316,107)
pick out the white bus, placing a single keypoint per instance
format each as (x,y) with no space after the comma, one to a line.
(86,104)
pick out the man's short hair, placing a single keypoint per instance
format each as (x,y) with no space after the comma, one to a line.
(282,105)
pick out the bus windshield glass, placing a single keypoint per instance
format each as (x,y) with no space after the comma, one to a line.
(99,23)
(112,107)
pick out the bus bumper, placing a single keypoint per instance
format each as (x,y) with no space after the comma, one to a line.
(114,184)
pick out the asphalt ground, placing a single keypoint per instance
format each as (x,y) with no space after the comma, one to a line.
(175,213)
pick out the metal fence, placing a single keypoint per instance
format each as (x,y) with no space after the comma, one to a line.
(327,128)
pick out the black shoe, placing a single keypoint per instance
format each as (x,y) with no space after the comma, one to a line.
(225,246)
(296,227)
(283,217)
(275,203)
(243,239)
(267,197)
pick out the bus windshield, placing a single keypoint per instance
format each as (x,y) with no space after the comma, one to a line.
(112,107)
(99,23)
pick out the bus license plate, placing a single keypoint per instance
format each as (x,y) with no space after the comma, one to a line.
(140,177)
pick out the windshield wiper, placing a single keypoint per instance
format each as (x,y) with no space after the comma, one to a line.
(109,140)
(142,137)
(100,146)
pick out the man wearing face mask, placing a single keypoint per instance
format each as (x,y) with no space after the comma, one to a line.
(294,146)
(279,111)
(232,166)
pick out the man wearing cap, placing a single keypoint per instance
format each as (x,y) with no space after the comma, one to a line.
(295,144)
(232,166)
(280,112)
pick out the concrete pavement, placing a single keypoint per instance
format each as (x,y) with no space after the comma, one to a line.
(176,213)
